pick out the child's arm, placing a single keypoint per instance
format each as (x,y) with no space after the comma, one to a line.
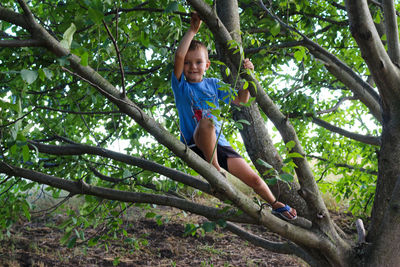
(244,95)
(183,47)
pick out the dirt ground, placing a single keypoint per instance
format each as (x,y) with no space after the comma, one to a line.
(37,243)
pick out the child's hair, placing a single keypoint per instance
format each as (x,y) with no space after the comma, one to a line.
(194,45)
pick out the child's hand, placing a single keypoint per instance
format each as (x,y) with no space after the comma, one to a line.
(195,22)
(248,65)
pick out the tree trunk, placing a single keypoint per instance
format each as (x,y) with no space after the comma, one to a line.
(384,232)
(259,145)
(256,138)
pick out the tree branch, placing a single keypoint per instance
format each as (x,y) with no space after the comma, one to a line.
(82,188)
(364,91)
(121,68)
(21,43)
(80,112)
(385,73)
(334,108)
(371,140)
(122,180)
(392,31)
(20,118)
(346,165)
(13,17)
(277,247)
(79,149)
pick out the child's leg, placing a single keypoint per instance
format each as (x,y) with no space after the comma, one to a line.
(239,168)
(205,139)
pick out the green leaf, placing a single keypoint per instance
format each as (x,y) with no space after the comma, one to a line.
(275,29)
(243,121)
(150,215)
(295,155)
(72,242)
(84,59)
(127,173)
(93,241)
(95,15)
(377,17)
(300,54)
(65,238)
(221,222)
(25,208)
(25,153)
(208,226)
(263,163)
(216,112)
(41,75)
(246,85)
(116,261)
(271,181)
(172,7)
(291,144)
(29,76)
(286,177)
(211,104)
(68,36)
(227,71)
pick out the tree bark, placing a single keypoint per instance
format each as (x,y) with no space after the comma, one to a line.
(259,145)
(384,231)
(255,136)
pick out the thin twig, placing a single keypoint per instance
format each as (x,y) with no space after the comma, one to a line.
(11,186)
(118,56)
(103,91)
(334,108)
(20,118)
(80,112)
(54,207)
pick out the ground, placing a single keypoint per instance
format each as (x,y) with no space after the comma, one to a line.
(37,243)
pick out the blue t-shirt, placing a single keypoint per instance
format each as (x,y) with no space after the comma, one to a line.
(194,96)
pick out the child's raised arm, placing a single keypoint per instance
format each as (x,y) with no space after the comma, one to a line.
(183,47)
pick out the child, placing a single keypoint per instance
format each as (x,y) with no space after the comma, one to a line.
(201,129)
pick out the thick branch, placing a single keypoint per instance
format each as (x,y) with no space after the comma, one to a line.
(386,74)
(78,149)
(13,17)
(122,180)
(278,247)
(80,187)
(20,43)
(339,69)
(361,89)
(392,31)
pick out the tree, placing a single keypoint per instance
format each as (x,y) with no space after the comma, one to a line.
(79,76)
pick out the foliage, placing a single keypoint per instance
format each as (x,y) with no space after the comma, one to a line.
(131,44)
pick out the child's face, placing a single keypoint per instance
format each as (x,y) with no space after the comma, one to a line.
(196,63)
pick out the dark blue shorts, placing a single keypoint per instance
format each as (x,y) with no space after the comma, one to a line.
(223,153)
